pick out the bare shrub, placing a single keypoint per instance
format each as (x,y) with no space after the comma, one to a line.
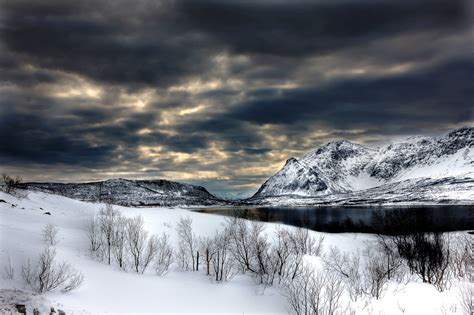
(347,267)
(188,245)
(10,183)
(314,293)
(49,275)
(142,248)
(426,255)
(8,271)
(50,234)
(164,256)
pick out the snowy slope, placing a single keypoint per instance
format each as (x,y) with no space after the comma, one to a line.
(132,192)
(345,167)
(294,178)
(107,289)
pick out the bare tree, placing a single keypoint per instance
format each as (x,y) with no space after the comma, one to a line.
(427,255)
(222,260)
(207,247)
(8,270)
(188,244)
(136,237)
(119,243)
(466,298)
(48,275)
(347,266)
(142,248)
(93,232)
(305,243)
(151,250)
(314,293)
(10,183)
(304,294)
(334,289)
(261,252)
(164,257)
(391,257)
(50,234)
(108,220)
(462,255)
(302,243)
(240,243)
(283,253)
(376,273)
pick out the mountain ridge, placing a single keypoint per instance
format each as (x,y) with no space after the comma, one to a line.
(346,167)
(128,192)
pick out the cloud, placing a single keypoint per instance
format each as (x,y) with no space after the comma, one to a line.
(301,28)
(410,98)
(219,92)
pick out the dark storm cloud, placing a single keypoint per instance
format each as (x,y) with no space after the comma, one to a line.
(112,41)
(30,138)
(162,42)
(73,74)
(301,28)
(443,94)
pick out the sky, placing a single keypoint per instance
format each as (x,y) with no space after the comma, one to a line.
(221,93)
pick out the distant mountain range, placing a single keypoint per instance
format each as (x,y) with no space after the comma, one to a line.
(415,170)
(132,192)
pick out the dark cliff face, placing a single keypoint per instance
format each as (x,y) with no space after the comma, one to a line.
(132,192)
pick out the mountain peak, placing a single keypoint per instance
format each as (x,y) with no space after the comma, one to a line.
(294,178)
(343,166)
(291,160)
(466,132)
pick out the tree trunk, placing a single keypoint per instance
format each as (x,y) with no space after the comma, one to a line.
(197,261)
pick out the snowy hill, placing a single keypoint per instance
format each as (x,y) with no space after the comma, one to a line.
(131,192)
(342,169)
(108,289)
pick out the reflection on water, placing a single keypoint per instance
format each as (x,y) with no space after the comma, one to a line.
(396,220)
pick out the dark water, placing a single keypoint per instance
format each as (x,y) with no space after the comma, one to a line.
(396,220)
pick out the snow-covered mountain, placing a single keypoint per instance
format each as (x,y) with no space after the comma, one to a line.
(293,178)
(132,192)
(343,168)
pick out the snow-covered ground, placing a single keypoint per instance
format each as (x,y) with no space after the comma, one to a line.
(109,290)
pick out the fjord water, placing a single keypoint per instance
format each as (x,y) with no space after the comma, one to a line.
(384,220)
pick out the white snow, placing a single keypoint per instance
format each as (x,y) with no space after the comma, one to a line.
(109,290)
